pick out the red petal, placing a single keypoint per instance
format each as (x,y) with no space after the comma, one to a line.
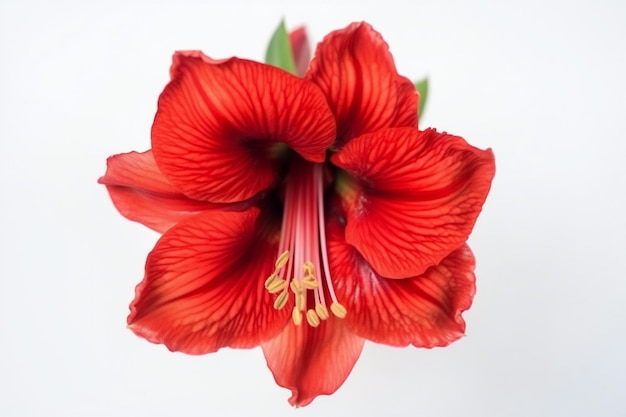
(300,49)
(141,193)
(415,196)
(424,311)
(204,286)
(355,70)
(312,361)
(221,126)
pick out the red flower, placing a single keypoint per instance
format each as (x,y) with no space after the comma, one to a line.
(304,215)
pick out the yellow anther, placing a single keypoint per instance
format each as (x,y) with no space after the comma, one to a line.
(296,316)
(309,282)
(308,268)
(300,301)
(270,279)
(282,259)
(281,300)
(312,319)
(321,311)
(338,310)
(295,287)
(277,286)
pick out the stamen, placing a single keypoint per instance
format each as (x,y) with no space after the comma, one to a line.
(295,287)
(303,245)
(321,311)
(308,268)
(300,301)
(277,285)
(312,319)
(296,316)
(338,310)
(270,279)
(282,259)
(325,263)
(298,293)
(309,282)
(281,300)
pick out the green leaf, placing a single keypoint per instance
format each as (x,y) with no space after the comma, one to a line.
(279,50)
(422,88)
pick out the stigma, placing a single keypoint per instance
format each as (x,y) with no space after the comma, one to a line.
(301,270)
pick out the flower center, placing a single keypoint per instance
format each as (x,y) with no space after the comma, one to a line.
(302,264)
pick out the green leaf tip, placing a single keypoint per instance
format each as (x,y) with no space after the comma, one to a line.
(279,51)
(422,89)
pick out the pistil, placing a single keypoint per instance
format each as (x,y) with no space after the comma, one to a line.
(302,264)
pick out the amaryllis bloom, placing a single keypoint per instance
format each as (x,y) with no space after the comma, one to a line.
(304,215)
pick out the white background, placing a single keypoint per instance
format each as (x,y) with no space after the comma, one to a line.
(541,82)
